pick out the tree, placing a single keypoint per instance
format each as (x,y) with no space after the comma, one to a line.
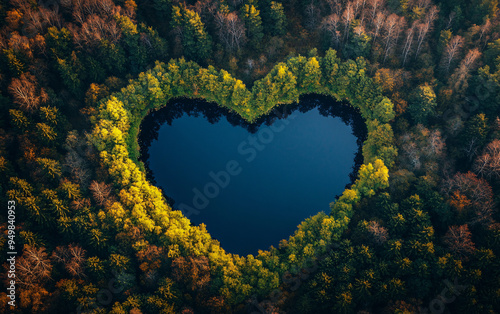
(422,103)
(19,119)
(70,70)
(33,267)
(311,76)
(458,240)
(278,19)
(50,167)
(26,92)
(72,257)
(194,272)
(488,164)
(475,189)
(331,27)
(451,52)
(253,24)
(46,133)
(59,42)
(372,177)
(359,41)
(195,40)
(379,233)
(380,143)
(474,135)
(231,30)
(458,81)
(410,33)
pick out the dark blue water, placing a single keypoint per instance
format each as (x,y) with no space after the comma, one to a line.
(252,189)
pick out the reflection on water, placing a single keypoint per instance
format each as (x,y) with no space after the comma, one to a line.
(252,184)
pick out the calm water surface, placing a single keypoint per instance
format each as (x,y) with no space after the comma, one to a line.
(251,185)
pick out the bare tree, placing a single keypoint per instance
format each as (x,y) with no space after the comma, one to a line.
(357,6)
(422,31)
(33,267)
(335,6)
(488,164)
(450,19)
(477,190)
(458,239)
(435,144)
(408,42)
(424,28)
(461,75)
(375,6)
(25,92)
(451,52)
(378,24)
(379,233)
(331,25)
(73,258)
(311,16)
(347,18)
(390,27)
(231,30)
(206,9)
(100,192)
(93,30)
(485,29)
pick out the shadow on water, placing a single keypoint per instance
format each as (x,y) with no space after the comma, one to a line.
(213,113)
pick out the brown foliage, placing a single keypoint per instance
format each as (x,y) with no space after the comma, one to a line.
(33,267)
(475,189)
(458,240)
(194,272)
(488,164)
(26,93)
(379,233)
(73,258)
(101,192)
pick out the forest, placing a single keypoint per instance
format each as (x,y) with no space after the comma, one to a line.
(85,231)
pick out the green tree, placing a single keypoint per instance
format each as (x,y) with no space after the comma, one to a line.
(278,19)
(19,119)
(359,44)
(70,70)
(59,42)
(444,38)
(195,40)
(422,103)
(46,133)
(253,24)
(475,131)
(50,167)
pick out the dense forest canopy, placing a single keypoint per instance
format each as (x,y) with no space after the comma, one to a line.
(418,230)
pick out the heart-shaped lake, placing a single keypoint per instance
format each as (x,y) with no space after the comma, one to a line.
(251,185)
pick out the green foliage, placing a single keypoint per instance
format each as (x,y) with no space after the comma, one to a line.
(422,103)
(278,19)
(14,62)
(253,23)
(69,70)
(19,119)
(359,44)
(195,40)
(59,41)
(476,131)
